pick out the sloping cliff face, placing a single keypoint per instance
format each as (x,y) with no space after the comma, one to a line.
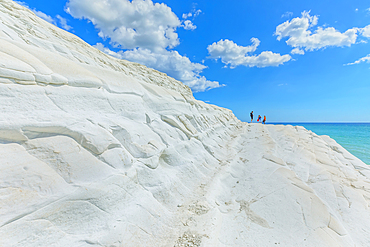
(96,151)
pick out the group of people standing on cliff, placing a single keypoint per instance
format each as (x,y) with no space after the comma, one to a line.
(259,118)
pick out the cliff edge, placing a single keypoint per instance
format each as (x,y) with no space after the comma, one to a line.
(96,151)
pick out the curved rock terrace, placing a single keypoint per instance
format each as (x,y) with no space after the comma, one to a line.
(96,151)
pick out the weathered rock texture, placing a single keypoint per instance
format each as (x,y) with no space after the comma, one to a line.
(96,151)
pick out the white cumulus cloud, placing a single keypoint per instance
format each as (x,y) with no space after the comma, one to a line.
(365,59)
(234,55)
(169,62)
(194,13)
(145,32)
(130,24)
(287,14)
(63,23)
(300,34)
(366,31)
(297,51)
(187,15)
(44,16)
(188,25)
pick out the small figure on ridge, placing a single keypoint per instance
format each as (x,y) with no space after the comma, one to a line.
(264,120)
(251,116)
(259,118)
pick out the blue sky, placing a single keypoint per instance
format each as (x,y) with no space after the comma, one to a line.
(293,61)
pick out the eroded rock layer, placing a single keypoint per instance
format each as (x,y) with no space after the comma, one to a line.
(96,151)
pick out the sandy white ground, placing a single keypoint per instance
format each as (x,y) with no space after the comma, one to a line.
(96,151)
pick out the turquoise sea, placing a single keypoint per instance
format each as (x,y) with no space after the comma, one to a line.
(355,137)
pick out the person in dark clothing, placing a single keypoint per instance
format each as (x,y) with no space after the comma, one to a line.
(251,116)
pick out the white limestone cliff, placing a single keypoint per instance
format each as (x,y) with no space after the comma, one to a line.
(96,151)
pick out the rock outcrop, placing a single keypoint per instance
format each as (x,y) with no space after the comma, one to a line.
(96,151)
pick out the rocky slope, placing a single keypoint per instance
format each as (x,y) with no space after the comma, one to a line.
(96,151)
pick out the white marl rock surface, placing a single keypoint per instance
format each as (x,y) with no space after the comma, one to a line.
(96,151)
